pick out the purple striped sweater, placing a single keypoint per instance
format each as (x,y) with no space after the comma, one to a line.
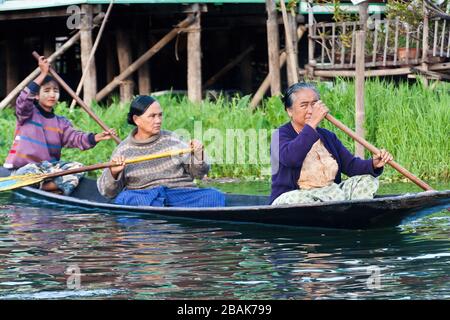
(40,135)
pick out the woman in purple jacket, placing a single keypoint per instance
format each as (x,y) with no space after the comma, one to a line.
(307,161)
(40,135)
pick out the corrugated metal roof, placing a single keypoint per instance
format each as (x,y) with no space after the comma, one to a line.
(8,5)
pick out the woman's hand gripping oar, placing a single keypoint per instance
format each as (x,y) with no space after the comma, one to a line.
(15,182)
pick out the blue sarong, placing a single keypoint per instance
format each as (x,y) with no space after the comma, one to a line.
(172,197)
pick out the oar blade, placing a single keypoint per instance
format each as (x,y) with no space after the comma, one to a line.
(14,182)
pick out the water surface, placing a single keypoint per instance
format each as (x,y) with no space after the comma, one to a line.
(122,256)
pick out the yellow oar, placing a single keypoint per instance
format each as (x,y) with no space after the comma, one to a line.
(14,182)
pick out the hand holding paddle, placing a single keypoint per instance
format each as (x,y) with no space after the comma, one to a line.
(66,87)
(15,182)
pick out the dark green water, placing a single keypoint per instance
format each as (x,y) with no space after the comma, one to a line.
(43,249)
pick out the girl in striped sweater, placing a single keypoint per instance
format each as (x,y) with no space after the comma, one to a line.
(40,135)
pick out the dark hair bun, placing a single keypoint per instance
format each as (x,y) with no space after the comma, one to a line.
(139,105)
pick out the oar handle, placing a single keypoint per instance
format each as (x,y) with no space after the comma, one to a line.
(113,164)
(78,99)
(375,150)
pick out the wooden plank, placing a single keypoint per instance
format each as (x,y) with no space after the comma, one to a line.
(273,47)
(407,43)
(396,40)
(333,41)
(375,43)
(443,38)
(435,38)
(386,42)
(352,48)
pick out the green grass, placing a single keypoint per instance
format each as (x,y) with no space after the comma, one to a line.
(409,120)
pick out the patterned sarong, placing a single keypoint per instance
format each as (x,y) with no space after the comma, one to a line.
(66,183)
(172,197)
(357,187)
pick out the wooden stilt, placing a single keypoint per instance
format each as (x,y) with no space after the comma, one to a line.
(12,63)
(144,70)
(124,58)
(111,58)
(426,29)
(292,64)
(194,70)
(359,91)
(90,84)
(273,46)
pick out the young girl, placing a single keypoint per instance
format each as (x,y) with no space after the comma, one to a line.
(40,135)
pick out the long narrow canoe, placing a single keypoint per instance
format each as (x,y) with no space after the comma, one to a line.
(381,212)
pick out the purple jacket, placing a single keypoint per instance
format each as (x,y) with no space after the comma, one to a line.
(40,135)
(288,150)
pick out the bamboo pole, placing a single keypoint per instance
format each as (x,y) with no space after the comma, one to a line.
(359,91)
(142,59)
(228,67)
(292,65)
(92,54)
(80,102)
(273,46)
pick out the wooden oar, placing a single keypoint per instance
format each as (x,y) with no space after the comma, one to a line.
(375,150)
(77,98)
(14,182)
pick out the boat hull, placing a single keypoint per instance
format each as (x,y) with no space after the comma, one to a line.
(381,212)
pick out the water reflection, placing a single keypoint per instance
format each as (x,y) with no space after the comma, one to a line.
(131,257)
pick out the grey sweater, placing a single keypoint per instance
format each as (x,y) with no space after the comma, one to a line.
(172,172)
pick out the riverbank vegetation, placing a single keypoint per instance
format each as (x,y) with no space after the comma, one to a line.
(408,119)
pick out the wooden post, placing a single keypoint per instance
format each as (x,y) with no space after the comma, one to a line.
(363,14)
(311,33)
(273,46)
(292,58)
(111,59)
(425,41)
(359,91)
(90,84)
(144,70)
(194,57)
(142,59)
(124,58)
(12,63)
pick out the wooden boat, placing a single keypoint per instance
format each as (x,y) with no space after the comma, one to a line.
(381,212)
